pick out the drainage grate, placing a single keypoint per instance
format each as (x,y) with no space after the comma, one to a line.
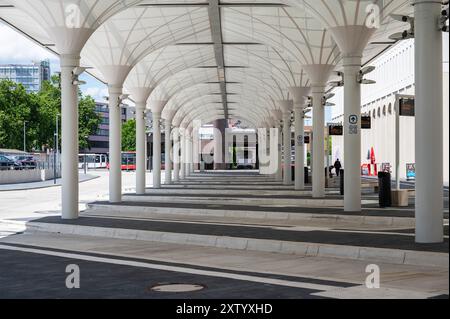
(177,288)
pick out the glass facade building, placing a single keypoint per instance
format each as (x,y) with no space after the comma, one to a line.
(30,76)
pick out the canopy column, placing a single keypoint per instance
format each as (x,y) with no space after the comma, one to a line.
(176,154)
(300,95)
(429,125)
(183,152)
(140,148)
(188,155)
(115,145)
(69,137)
(262,149)
(157,107)
(140,95)
(115,76)
(319,75)
(219,129)
(286,107)
(278,116)
(352,40)
(168,147)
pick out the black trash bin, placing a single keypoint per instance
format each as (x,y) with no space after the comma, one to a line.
(341,181)
(384,189)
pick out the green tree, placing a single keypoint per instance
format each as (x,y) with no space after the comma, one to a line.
(39,112)
(88,119)
(17,108)
(129,136)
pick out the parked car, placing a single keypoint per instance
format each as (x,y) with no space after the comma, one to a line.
(245,164)
(8,164)
(26,161)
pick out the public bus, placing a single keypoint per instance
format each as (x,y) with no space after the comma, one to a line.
(92,161)
(128,161)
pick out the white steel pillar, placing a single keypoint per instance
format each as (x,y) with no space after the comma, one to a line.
(279,175)
(156,150)
(278,116)
(352,134)
(176,154)
(157,108)
(168,147)
(319,74)
(286,107)
(300,95)
(188,156)
(318,165)
(299,148)
(69,137)
(429,124)
(262,134)
(140,148)
(183,153)
(352,40)
(115,145)
(140,95)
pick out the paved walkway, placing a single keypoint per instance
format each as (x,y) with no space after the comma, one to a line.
(236,241)
(44,184)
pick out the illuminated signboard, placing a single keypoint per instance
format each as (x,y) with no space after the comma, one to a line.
(406,107)
(335,130)
(366,122)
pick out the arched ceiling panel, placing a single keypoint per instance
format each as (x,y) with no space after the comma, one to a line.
(133,34)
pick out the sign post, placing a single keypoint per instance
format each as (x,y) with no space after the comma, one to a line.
(399,107)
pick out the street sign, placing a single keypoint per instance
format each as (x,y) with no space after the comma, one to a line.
(407,106)
(353,124)
(410,172)
(366,122)
(353,119)
(335,130)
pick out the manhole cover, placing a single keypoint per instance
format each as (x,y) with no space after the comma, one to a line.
(177,288)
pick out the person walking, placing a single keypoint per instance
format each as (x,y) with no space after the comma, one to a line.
(337,166)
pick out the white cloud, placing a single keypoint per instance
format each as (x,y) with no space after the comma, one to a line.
(96,93)
(16,48)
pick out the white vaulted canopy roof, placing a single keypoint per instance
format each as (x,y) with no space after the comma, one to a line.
(208,59)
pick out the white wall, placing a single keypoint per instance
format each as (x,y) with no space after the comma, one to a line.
(25,176)
(394,74)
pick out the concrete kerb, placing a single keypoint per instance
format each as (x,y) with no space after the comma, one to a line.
(242,201)
(303,249)
(146,212)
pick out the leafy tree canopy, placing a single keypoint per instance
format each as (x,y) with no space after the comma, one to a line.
(38,113)
(129,136)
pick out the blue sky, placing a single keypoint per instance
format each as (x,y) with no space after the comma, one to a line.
(18,49)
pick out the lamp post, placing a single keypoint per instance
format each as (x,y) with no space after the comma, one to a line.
(25,136)
(57,138)
(85,158)
(54,157)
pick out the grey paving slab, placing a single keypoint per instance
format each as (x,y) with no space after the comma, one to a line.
(198,267)
(44,184)
(370,211)
(389,241)
(30,275)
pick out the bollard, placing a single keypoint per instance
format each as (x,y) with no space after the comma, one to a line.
(342,181)
(384,189)
(306,175)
